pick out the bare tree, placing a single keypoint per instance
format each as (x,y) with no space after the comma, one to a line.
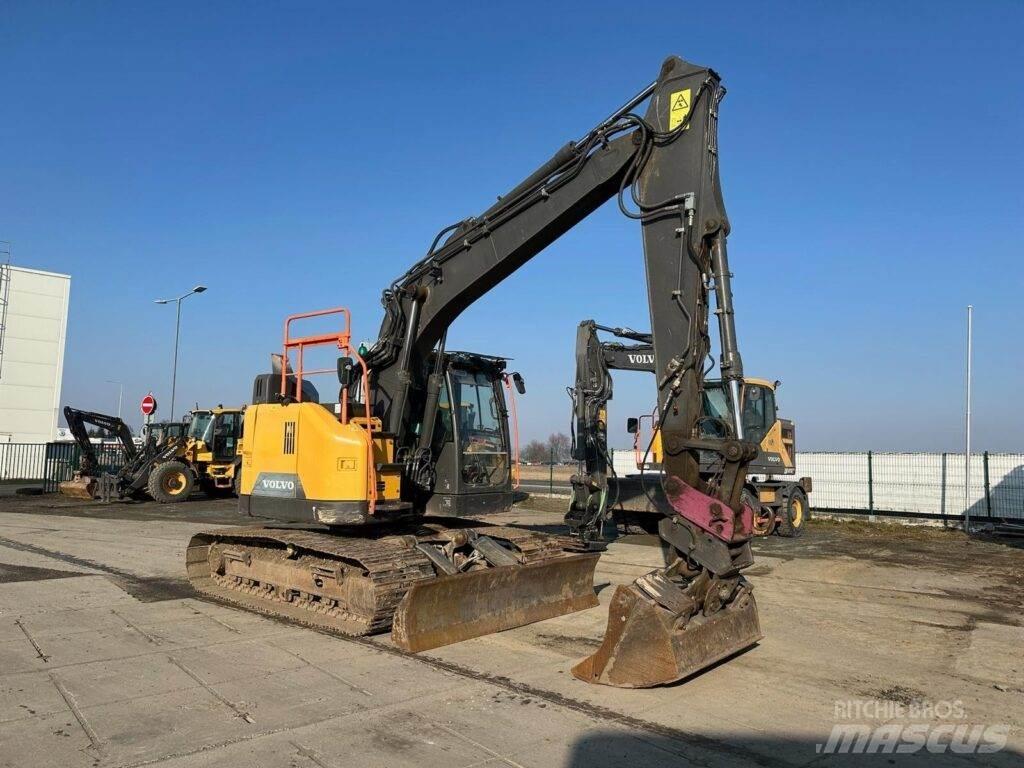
(535,452)
(559,447)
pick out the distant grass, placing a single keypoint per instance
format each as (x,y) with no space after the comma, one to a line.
(537,472)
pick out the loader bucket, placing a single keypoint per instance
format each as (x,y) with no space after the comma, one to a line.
(81,487)
(450,609)
(642,647)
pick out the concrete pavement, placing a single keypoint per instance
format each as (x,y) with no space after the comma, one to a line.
(106,660)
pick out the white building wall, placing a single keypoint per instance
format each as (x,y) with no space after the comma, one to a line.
(33,355)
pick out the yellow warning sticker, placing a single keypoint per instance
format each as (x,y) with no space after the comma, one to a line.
(678,109)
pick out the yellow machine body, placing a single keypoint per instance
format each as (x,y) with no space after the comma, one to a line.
(777,441)
(300,463)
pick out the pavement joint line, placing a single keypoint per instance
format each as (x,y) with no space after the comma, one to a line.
(319,668)
(151,638)
(28,636)
(594,711)
(238,710)
(213,618)
(69,699)
(156,652)
(482,747)
(341,716)
(310,754)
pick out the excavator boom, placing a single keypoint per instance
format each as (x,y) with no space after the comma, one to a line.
(663,168)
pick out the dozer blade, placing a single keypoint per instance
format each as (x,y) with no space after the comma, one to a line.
(79,488)
(643,648)
(450,609)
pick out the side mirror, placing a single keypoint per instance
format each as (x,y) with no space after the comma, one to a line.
(632,425)
(517,379)
(347,372)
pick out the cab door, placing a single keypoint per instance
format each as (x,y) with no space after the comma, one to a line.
(226,431)
(758,414)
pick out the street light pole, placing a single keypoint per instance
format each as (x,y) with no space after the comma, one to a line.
(967,424)
(120,395)
(177,336)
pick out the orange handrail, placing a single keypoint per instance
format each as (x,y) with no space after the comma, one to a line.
(343,340)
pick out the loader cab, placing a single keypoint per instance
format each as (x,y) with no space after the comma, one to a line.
(213,435)
(757,411)
(160,432)
(471,438)
(775,437)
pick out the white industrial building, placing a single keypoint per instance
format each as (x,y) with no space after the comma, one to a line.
(33,329)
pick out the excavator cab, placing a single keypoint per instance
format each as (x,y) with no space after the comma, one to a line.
(471,438)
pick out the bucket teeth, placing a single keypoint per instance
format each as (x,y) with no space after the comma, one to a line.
(646,644)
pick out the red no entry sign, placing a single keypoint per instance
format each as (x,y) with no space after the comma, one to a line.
(148,406)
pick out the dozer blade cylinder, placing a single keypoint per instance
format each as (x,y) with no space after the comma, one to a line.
(643,647)
(450,609)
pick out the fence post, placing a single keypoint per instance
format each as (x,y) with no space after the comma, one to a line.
(988,489)
(871,489)
(942,490)
(551,472)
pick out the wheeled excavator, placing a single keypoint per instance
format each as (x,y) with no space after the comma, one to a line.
(357,478)
(600,494)
(85,481)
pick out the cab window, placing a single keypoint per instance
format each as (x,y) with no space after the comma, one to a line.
(758,411)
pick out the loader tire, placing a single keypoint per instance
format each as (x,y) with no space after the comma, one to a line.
(170,482)
(795,514)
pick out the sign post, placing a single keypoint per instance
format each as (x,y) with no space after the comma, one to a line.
(148,408)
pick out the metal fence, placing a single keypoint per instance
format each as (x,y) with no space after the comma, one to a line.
(929,485)
(917,484)
(50,464)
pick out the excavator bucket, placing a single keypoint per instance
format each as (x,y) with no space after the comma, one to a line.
(79,487)
(450,609)
(644,647)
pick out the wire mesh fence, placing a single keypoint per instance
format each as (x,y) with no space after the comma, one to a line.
(909,484)
(925,484)
(49,464)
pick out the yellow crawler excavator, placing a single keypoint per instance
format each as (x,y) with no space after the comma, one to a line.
(368,483)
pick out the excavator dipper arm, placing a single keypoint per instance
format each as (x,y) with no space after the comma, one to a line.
(591,506)
(83,485)
(663,168)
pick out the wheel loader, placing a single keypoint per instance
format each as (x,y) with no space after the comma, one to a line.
(208,457)
(358,482)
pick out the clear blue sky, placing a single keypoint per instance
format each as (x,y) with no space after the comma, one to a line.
(293,156)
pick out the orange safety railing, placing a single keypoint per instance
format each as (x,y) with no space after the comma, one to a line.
(343,340)
(515,430)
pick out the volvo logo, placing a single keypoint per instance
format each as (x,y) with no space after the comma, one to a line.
(641,358)
(283,485)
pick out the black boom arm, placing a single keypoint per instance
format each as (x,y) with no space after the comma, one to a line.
(663,168)
(77,421)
